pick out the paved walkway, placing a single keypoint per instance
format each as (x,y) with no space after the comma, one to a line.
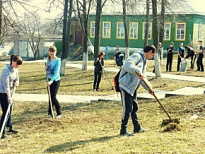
(163,75)
(115,97)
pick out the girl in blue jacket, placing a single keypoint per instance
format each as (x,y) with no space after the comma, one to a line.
(53,74)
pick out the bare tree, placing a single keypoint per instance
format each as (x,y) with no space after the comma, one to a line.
(146,24)
(31,29)
(97,26)
(124,5)
(66,35)
(83,15)
(162,18)
(155,39)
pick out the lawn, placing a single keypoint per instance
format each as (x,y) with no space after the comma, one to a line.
(94,127)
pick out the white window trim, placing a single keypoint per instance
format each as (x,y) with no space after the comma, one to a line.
(91,29)
(184,31)
(169,31)
(117,31)
(130,30)
(109,29)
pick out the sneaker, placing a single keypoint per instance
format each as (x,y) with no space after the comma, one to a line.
(126,134)
(59,116)
(140,131)
(13,131)
(4,136)
(48,116)
(94,90)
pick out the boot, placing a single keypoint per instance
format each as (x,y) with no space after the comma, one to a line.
(11,130)
(4,135)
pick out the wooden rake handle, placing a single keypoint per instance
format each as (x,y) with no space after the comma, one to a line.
(155,97)
(49,95)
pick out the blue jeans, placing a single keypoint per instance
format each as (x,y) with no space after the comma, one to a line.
(4,106)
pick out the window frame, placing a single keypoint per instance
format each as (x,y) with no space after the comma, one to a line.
(91,29)
(178,23)
(117,30)
(108,31)
(200,29)
(169,31)
(143,27)
(136,30)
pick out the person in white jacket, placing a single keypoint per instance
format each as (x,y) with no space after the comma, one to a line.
(129,82)
(9,79)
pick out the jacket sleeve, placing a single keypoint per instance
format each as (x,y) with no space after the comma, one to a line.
(5,77)
(145,79)
(56,70)
(95,61)
(130,64)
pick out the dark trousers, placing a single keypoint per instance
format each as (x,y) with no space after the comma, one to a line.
(97,79)
(4,106)
(178,63)
(130,107)
(169,62)
(200,66)
(53,91)
(192,61)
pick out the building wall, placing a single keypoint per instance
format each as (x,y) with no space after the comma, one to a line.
(139,42)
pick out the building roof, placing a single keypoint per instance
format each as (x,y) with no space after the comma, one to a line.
(139,7)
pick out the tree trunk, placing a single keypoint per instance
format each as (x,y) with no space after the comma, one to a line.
(161,36)
(155,39)
(97,28)
(1,20)
(125,28)
(147,24)
(66,36)
(85,46)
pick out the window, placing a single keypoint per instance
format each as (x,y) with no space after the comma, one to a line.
(120,30)
(106,29)
(149,31)
(200,32)
(167,31)
(180,31)
(92,29)
(133,33)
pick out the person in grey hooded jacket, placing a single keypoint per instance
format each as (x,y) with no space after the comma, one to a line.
(129,82)
(9,79)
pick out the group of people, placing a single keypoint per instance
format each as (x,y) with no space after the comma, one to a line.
(10,79)
(183,55)
(132,75)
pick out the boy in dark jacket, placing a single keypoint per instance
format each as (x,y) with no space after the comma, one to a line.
(99,65)
(200,52)
(170,51)
(190,53)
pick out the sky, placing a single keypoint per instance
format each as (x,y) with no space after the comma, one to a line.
(44,4)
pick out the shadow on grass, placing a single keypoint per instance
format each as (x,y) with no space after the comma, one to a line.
(32,114)
(69,146)
(80,84)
